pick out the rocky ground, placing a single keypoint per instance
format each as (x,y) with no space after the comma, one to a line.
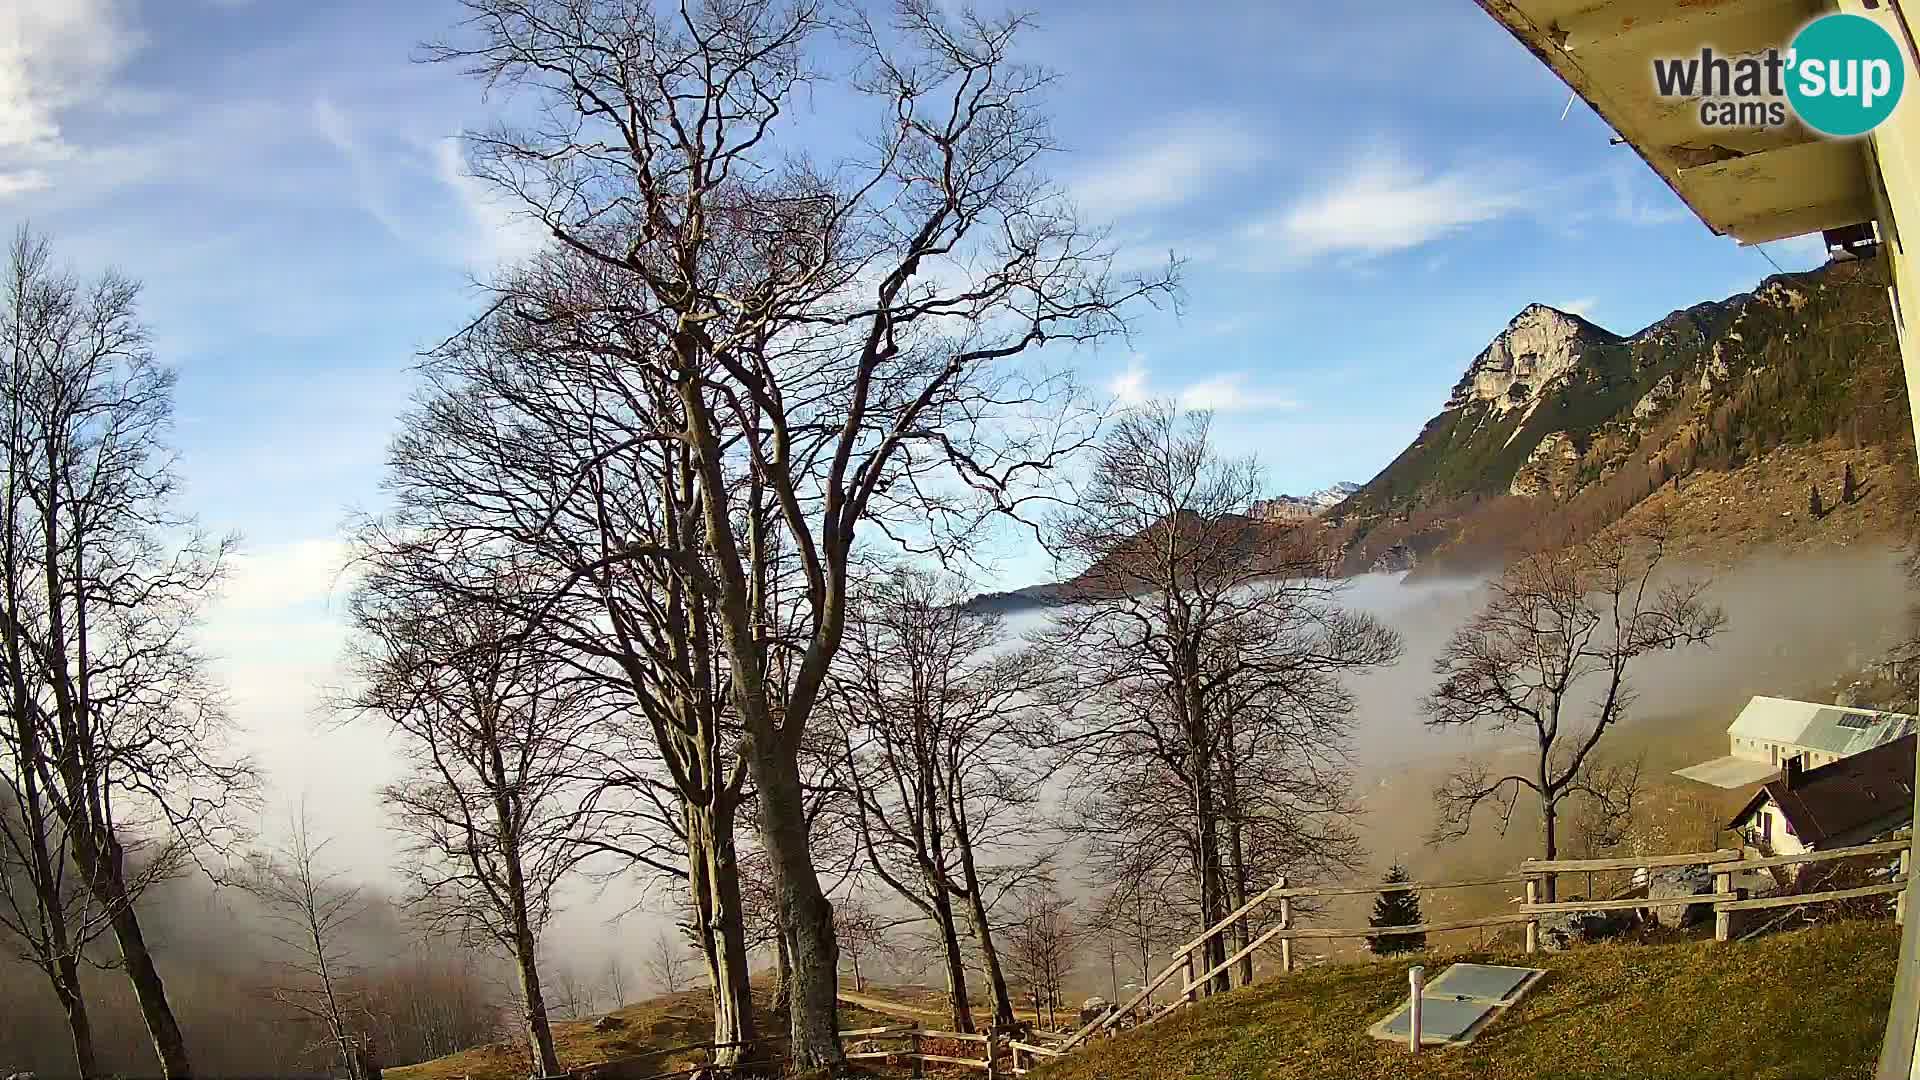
(1723,517)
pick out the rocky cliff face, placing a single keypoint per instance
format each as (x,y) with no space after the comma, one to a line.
(1539,348)
(1550,468)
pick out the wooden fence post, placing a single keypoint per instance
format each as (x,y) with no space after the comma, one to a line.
(1900,898)
(1286,923)
(1533,924)
(1722,918)
(913,1047)
(1193,988)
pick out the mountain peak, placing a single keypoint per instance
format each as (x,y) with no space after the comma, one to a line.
(1540,346)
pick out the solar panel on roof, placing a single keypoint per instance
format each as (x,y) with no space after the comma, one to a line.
(1858,721)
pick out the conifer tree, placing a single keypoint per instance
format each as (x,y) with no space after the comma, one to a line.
(1399,907)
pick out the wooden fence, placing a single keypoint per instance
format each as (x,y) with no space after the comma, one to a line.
(1537,876)
(1000,1053)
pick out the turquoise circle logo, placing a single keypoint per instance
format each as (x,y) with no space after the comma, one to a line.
(1847,75)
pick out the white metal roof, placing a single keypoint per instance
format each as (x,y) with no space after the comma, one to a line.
(1833,728)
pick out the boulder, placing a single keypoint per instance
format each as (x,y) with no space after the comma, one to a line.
(1094,1008)
(1561,932)
(608,1023)
(1672,882)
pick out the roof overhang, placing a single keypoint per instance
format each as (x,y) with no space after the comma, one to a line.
(1755,184)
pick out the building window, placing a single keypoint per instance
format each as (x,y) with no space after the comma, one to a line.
(1766,826)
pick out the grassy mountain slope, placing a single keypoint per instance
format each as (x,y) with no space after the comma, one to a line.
(1807,1004)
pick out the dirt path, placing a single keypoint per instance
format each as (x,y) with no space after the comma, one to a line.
(890,1008)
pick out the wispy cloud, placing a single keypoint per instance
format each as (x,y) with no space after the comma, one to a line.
(1167,167)
(475,227)
(1582,307)
(1384,202)
(1231,391)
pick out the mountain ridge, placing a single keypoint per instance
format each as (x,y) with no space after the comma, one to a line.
(1561,422)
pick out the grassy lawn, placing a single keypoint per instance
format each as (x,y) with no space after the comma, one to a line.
(1807,1004)
(643,1042)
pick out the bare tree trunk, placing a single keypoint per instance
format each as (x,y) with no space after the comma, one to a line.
(1549,828)
(539,1031)
(525,944)
(714,877)
(1236,854)
(983,931)
(806,918)
(74,1004)
(59,948)
(1207,849)
(957,997)
(782,971)
(109,889)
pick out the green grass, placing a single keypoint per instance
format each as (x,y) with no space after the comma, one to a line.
(1807,1004)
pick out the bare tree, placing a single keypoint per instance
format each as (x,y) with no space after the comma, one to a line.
(832,338)
(947,755)
(310,910)
(1135,918)
(433,1000)
(1212,648)
(862,932)
(571,998)
(616,981)
(114,726)
(530,449)
(1044,940)
(1548,657)
(666,962)
(494,728)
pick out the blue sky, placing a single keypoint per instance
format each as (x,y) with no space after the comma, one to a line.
(1366,194)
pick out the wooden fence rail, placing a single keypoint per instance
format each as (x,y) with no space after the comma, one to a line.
(1536,875)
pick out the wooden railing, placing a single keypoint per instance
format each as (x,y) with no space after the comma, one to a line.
(1020,1054)
(1724,863)
(1534,874)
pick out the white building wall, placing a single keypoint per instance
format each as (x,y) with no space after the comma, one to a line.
(1778,838)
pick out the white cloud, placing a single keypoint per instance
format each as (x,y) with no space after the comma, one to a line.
(1582,307)
(1169,167)
(480,229)
(1130,386)
(1798,252)
(1382,203)
(284,576)
(499,233)
(1225,392)
(54,54)
(1231,393)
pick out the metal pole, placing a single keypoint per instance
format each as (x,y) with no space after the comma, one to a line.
(1416,981)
